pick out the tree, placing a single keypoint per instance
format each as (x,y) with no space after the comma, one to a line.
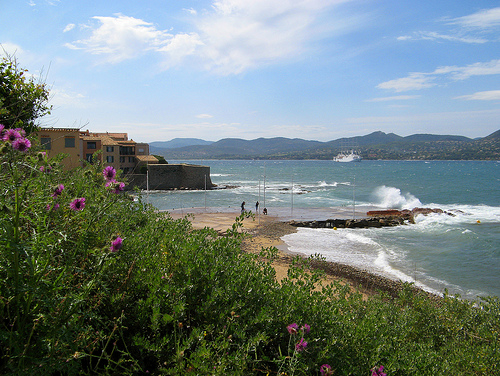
(23,98)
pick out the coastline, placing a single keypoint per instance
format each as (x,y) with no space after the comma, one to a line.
(266,231)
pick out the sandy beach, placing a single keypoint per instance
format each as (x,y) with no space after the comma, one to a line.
(267,230)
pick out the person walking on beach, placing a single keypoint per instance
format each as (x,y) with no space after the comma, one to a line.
(242,207)
(257,207)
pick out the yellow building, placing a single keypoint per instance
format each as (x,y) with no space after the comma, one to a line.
(63,140)
(115,148)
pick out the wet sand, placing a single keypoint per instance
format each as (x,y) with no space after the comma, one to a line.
(266,231)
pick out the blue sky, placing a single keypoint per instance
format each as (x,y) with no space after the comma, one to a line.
(312,69)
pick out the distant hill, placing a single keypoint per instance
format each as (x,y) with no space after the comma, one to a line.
(494,135)
(377,145)
(176,143)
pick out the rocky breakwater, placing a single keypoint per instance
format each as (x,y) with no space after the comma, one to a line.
(375,218)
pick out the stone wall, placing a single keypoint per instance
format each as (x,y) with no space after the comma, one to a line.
(172,176)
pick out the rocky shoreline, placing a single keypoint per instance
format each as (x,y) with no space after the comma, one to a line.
(362,280)
(375,218)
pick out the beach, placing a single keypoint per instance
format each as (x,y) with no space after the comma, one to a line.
(267,230)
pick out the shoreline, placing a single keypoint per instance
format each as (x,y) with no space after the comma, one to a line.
(266,231)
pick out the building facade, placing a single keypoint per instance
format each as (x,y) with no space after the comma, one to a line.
(112,149)
(63,140)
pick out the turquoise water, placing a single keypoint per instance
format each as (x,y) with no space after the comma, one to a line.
(460,253)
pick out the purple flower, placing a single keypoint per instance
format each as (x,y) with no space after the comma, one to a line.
(55,207)
(293,328)
(116,244)
(119,187)
(109,173)
(379,371)
(77,204)
(326,370)
(301,345)
(21,144)
(11,135)
(58,190)
(2,131)
(305,328)
(21,131)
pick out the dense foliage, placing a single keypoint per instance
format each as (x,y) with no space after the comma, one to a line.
(93,282)
(23,98)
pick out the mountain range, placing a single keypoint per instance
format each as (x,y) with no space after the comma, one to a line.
(376,145)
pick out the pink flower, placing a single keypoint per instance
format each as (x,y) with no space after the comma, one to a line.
(293,328)
(119,187)
(11,135)
(77,204)
(109,173)
(305,328)
(379,371)
(21,131)
(326,370)
(55,207)
(21,144)
(301,345)
(58,190)
(116,244)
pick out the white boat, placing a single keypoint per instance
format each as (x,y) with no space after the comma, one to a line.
(347,156)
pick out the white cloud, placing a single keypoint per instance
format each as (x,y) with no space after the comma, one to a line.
(69,27)
(418,81)
(491,95)
(204,116)
(394,98)
(229,38)
(415,81)
(61,97)
(431,35)
(477,69)
(120,38)
(11,49)
(486,18)
(241,34)
(191,11)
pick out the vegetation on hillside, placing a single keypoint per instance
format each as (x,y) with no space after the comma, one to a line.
(377,145)
(93,282)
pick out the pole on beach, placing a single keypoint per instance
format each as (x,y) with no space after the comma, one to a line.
(258,208)
(264,184)
(205,192)
(354,199)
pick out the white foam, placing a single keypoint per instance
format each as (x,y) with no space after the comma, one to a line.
(393,198)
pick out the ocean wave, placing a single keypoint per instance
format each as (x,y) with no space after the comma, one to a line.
(393,198)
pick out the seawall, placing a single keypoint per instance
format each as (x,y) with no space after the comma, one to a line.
(172,177)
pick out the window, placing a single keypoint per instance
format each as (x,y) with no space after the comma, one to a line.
(131,159)
(122,159)
(127,150)
(91,145)
(110,149)
(69,142)
(88,157)
(46,143)
(110,159)
(141,150)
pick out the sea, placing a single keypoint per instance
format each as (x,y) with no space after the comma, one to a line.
(457,251)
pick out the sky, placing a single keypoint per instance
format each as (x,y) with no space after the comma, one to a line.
(213,69)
